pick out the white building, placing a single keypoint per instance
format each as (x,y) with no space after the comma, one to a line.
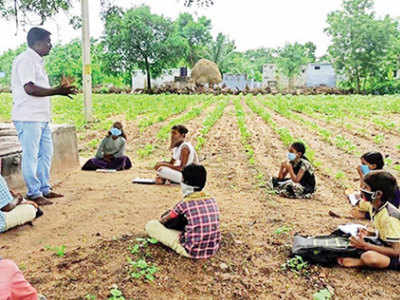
(311,75)
(139,79)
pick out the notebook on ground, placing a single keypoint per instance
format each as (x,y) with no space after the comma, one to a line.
(144,181)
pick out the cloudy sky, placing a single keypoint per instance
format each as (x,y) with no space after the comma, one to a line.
(251,23)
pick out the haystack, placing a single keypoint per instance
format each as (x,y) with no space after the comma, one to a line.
(206,71)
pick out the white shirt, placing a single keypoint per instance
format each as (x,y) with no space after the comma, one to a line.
(29,67)
(177,152)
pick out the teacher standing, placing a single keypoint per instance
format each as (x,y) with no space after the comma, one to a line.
(31,114)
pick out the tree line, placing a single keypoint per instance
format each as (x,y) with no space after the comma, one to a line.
(364,49)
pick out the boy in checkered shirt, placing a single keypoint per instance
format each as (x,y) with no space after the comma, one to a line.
(200,237)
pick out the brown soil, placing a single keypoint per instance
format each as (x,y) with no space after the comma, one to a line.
(102,214)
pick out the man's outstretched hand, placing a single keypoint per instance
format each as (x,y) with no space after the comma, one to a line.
(65,90)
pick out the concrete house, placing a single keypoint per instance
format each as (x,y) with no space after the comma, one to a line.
(239,82)
(312,75)
(139,78)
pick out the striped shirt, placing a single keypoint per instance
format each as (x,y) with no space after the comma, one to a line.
(201,237)
(5,199)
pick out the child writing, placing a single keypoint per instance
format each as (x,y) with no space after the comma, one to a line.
(379,189)
(296,177)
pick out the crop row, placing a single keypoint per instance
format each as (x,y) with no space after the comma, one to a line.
(339,141)
(209,122)
(164,131)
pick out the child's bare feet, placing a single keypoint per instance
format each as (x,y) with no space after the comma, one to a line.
(160,180)
(349,262)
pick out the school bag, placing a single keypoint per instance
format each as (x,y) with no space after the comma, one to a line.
(326,249)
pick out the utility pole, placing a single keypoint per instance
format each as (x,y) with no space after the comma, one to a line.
(87,67)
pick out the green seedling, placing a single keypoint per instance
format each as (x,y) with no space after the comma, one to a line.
(283,230)
(59,251)
(296,265)
(142,269)
(116,294)
(90,297)
(324,294)
(147,150)
(340,175)
(379,139)
(143,243)
(388,162)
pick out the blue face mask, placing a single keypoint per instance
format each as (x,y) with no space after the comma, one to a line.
(365,169)
(115,131)
(291,156)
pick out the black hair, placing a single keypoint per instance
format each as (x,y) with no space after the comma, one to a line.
(382,181)
(35,35)
(122,130)
(195,175)
(180,128)
(300,147)
(374,158)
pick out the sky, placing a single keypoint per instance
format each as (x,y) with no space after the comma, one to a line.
(251,23)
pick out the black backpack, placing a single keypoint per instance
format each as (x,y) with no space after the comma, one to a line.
(325,249)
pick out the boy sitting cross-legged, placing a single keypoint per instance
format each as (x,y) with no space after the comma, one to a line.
(195,219)
(379,189)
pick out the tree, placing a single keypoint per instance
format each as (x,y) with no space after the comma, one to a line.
(6,60)
(221,52)
(360,41)
(290,60)
(20,9)
(199,2)
(196,34)
(136,38)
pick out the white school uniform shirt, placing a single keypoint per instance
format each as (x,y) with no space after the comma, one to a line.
(176,154)
(29,67)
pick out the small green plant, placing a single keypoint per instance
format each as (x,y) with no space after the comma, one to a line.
(59,251)
(379,139)
(142,269)
(90,297)
(143,243)
(324,294)
(283,230)
(388,162)
(340,175)
(147,150)
(297,265)
(116,294)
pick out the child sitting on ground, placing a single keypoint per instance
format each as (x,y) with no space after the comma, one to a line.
(370,161)
(198,234)
(111,152)
(14,209)
(300,182)
(13,284)
(379,189)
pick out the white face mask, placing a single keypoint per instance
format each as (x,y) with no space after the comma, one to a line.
(187,189)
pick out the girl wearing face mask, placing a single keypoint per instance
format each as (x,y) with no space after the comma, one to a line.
(370,161)
(379,189)
(183,154)
(111,152)
(296,176)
